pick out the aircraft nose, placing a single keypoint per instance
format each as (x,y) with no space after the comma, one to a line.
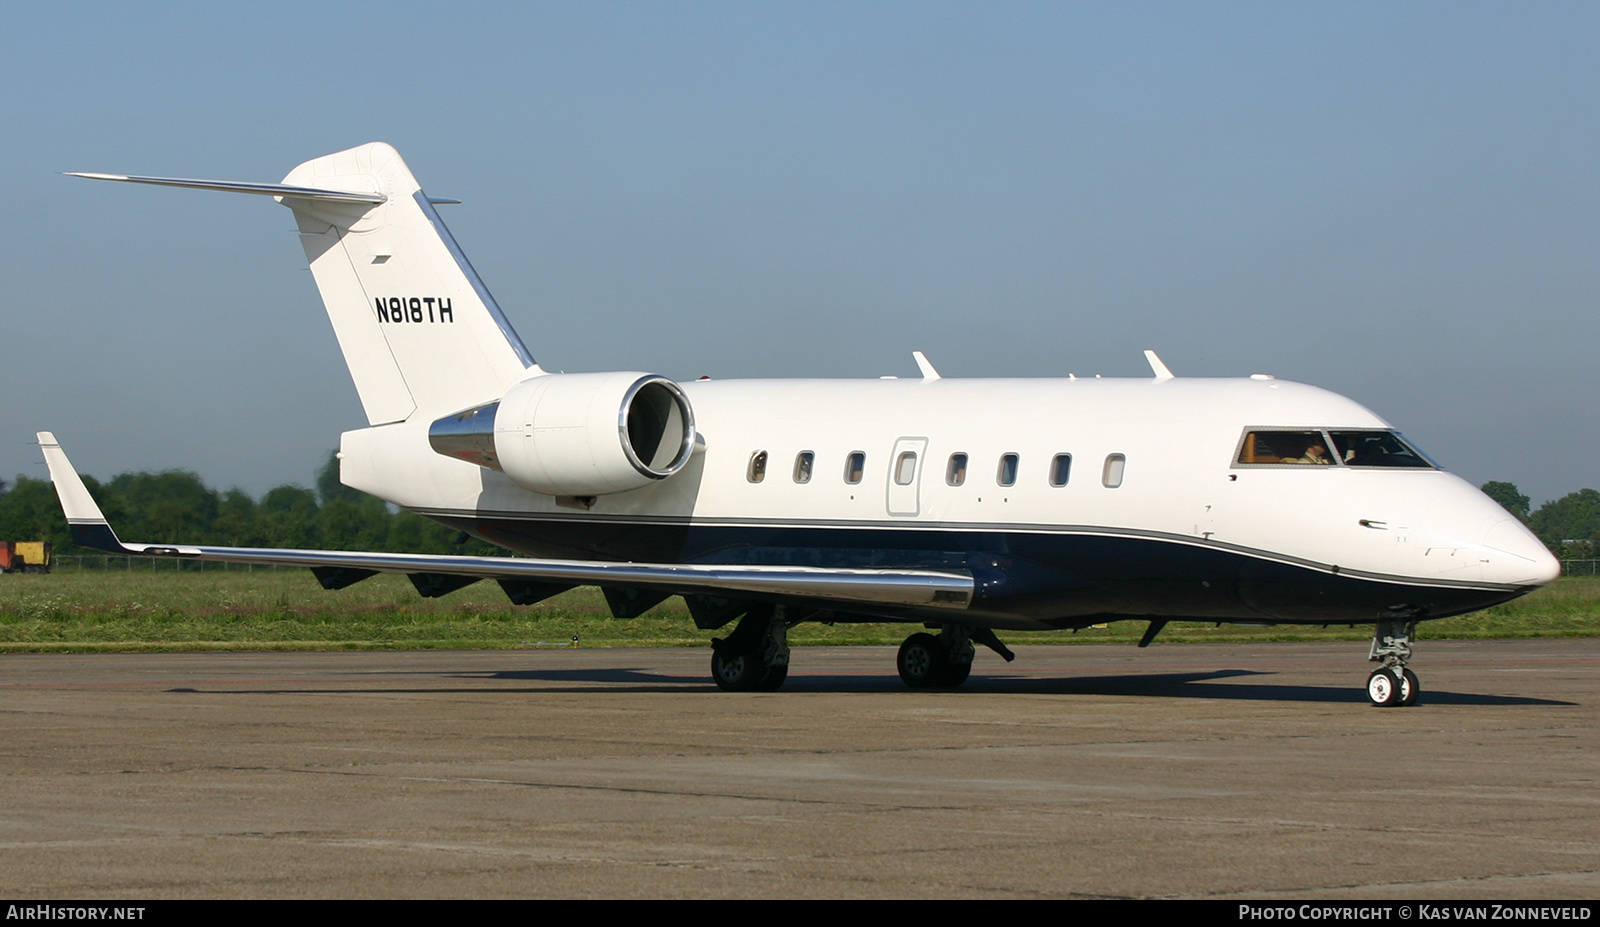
(1529,563)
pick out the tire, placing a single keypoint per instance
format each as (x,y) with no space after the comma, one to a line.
(1383,689)
(922,662)
(773,680)
(957,674)
(735,672)
(1410,689)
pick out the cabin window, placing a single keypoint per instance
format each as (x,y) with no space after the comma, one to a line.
(905,468)
(757,471)
(802,466)
(1377,449)
(1286,447)
(1060,470)
(854,466)
(1007,474)
(1111,476)
(955,473)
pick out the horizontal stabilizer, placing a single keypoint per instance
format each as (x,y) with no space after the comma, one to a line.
(900,588)
(417,326)
(239,186)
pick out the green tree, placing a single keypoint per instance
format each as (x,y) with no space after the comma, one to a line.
(1570,525)
(31,512)
(173,506)
(287,517)
(238,523)
(358,524)
(177,507)
(1509,498)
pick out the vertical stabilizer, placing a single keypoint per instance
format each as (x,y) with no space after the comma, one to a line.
(419,330)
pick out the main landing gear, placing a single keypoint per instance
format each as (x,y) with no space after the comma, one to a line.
(755,657)
(1392,685)
(944,660)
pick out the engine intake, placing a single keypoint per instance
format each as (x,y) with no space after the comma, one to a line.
(576,434)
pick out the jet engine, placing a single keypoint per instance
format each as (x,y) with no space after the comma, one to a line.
(576,434)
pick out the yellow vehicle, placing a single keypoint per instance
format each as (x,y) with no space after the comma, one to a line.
(25,556)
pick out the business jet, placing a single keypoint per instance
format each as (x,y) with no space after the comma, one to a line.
(967,506)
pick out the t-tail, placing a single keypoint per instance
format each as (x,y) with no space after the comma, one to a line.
(419,330)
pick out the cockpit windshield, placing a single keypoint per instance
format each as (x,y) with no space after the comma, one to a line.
(1377,449)
(1317,448)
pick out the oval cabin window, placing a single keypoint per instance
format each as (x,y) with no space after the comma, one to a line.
(1007,475)
(1060,470)
(955,473)
(905,468)
(854,466)
(1111,477)
(802,466)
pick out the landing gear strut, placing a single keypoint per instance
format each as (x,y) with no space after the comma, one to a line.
(755,657)
(1392,684)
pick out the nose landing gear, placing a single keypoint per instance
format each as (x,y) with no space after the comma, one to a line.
(1389,688)
(1392,685)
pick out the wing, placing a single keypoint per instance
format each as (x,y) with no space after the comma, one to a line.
(835,587)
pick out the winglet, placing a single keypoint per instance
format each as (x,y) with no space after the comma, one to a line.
(89,527)
(1160,369)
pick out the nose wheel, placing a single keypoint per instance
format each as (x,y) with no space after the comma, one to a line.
(1388,688)
(1392,685)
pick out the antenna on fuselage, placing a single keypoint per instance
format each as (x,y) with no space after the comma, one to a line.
(924,365)
(1160,369)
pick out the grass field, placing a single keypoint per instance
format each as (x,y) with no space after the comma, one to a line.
(116,610)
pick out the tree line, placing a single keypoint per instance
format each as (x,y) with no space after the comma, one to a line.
(1569,526)
(176,506)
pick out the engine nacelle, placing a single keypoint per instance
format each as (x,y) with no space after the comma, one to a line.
(576,434)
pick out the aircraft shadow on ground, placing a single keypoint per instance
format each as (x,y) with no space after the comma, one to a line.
(1179,685)
(1191,685)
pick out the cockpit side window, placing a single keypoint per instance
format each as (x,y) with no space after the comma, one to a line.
(1286,447)
(1377,449)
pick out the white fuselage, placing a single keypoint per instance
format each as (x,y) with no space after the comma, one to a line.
(1179,488)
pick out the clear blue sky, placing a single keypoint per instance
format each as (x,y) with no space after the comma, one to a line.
(1395,201)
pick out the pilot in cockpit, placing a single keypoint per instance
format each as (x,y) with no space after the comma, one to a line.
(1315,453)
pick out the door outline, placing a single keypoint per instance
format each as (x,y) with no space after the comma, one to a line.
(906,501)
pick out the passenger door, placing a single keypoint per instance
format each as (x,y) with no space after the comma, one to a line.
(905,476)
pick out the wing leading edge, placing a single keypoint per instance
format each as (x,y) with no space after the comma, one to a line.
(895,588)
